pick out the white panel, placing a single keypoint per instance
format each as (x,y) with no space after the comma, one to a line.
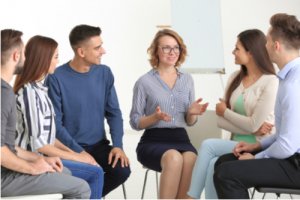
(199,23)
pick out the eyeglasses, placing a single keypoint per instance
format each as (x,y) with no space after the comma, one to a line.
(168,50)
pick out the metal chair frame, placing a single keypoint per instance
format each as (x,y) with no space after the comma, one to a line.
(277,191)
(145,182)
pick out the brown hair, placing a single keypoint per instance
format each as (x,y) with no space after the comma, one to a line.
(152,50)
(38,52)
(9,39)
(254,41)
(287,28)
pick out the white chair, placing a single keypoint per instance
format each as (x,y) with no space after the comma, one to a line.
(206,127)
(38,197)
(277,191)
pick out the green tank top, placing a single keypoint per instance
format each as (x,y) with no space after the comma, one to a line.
(239,107)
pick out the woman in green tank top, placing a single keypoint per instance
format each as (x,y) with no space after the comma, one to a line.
(248,105)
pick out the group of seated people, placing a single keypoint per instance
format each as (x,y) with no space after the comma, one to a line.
(52,119)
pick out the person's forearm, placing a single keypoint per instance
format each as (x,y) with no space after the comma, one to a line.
(147,121)
(191,119)
(11,161)
(26,155)
(61,146)
(51,150)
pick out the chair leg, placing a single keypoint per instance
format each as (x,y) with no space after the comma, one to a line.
(253,192)
(156,173)
(124,191)
(144,186)
(264,196)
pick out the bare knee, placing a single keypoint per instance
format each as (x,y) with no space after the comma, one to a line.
(172,159)
(189,158)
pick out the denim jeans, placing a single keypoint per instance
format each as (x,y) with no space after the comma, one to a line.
(203,171)
(93,175)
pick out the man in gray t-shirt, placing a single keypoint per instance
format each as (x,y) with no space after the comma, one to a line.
(24,172)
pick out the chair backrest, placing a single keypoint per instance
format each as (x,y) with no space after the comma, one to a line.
(206,127)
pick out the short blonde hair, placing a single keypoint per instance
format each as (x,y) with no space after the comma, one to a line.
(152,50)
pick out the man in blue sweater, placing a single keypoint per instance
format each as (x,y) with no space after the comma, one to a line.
(83,94)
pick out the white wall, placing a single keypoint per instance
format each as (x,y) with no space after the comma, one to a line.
(129,27)
(237,16)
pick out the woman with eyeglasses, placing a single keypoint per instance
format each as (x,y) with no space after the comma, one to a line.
(164,104)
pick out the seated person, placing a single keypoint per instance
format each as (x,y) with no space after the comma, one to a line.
(275,160)
(36,129)
(24,172)
(164,104)
(83,95)
(247,112)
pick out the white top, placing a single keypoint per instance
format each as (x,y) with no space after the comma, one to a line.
(259,101)
(35,115)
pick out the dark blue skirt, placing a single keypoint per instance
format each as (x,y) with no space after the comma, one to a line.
(156,141)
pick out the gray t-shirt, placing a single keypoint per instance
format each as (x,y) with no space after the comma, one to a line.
(8,117)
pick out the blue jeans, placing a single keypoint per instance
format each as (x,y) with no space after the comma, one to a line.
(93,175)
(202,177)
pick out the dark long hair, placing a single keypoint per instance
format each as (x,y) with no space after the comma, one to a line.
(38,53)
(254,41)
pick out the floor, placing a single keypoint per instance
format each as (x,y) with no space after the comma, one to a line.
(135,182)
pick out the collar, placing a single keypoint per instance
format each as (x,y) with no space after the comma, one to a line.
(154,71)
(4,84)
(40,85)
(288,67)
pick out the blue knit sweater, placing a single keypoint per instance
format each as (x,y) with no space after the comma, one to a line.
(82,101)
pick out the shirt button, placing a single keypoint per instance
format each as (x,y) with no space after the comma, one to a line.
(173,118)
(172,107)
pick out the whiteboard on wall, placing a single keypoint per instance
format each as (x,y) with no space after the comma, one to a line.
(199,24)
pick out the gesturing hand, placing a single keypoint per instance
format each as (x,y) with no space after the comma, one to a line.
(162,115)
(196,108)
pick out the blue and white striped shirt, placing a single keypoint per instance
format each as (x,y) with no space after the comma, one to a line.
(151,91)
(286,141)
(35,117)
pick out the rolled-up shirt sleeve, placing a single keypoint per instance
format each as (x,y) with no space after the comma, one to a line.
(138,105)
